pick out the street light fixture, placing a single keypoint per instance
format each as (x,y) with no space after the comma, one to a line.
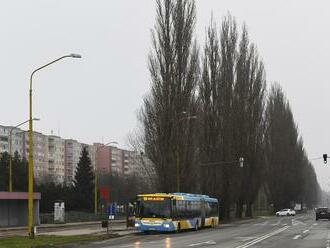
(10,187)
(30,185)
(96,175)
(74,55)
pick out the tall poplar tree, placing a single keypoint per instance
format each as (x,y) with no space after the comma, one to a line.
(173,64)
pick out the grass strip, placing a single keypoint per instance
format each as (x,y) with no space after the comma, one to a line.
(42,241)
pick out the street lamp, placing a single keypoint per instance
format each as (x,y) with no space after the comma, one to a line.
(96,176)
(189,117)
(30,186)
(10,152)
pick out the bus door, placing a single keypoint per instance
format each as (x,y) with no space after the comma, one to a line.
(203,215)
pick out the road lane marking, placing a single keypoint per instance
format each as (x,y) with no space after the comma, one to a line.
(297,237)
(266,236)
(305,231)
(245,238)
(276,224)
(210,242)
(261,224)
(297,222)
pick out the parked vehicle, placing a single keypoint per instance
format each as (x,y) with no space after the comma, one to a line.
(322,213)
(286,212)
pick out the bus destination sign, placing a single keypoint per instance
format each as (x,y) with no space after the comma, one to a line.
(153,198)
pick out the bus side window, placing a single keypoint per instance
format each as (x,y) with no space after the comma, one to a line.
(174,209)
(180,209)
(208,209)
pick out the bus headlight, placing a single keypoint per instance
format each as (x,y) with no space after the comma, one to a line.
(137,224)
(167,225)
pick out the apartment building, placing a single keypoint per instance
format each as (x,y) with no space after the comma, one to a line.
(72,154)
(103,158)
(40,154)
(56,158)
(129,162)
(113,160)
(17,139)
(92,154)
(116,161)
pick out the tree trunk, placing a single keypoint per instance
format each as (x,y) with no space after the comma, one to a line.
(239,209)
(248,211)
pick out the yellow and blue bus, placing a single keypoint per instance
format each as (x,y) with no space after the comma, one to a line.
(172,212)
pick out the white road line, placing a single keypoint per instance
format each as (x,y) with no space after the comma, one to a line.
(315,224)
(328,240)
(305,231)
(210,242)
(245,238)
(297,237)
(262,224)
(276,224)
(297,222)
(266,236)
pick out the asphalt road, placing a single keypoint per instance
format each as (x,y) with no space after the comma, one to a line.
(285,232)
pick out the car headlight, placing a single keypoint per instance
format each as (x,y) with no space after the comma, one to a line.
(137,224)
(167,225)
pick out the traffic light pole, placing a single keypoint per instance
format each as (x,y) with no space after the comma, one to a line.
(218,163)
(240,161)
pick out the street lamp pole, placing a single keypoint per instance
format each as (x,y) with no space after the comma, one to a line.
(178,174)
(30,173)
(10,153)
(96,175)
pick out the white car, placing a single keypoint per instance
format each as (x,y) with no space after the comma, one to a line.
(286,212)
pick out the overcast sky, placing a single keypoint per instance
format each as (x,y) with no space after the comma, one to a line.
(96,98)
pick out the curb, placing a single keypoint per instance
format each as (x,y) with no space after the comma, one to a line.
(54,226)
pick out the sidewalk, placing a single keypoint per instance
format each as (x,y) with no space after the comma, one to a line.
(73,224)
(121,230)
(68,229)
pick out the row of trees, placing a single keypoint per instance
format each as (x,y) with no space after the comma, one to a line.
(19,172)
(78,196)
(224,86)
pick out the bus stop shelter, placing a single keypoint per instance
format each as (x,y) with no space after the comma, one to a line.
(14,208)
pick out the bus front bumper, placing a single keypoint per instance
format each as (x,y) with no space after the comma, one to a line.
(165,226)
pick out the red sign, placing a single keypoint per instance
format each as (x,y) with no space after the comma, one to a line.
(104,193)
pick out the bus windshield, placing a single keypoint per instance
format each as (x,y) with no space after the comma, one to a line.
(154,208)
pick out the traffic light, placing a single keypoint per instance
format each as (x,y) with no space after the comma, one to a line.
(325,156)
